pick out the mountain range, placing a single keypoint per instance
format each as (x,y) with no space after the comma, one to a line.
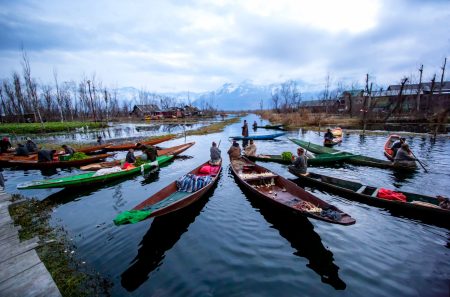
(230,96)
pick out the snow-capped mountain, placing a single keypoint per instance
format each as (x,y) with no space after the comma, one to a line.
(231,96)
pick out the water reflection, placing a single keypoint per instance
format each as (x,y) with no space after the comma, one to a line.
(300,233)
(163,234)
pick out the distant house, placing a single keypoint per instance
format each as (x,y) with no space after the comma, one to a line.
(322,105)
(190,110)
(149,110)
(173,112)
(412,89)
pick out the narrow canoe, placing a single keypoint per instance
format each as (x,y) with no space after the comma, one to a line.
(169,199)
(175,151)
(275,127)
(388,152)
(419,205)
(333,142)
(315,161)
(90,178)
(128,145)
(33,163)
(356,159)
(284,194)
(258,137)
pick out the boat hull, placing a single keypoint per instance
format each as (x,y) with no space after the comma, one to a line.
(349,190)
(284,194)
(258,137)
(132,145)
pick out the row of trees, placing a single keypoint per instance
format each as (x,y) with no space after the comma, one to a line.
(22,99)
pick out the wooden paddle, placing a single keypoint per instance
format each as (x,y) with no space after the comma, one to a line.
(418,161)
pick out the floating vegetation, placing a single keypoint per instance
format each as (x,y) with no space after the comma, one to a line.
(72,276)
(33,128)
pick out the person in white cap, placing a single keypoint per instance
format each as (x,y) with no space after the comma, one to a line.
(31,146)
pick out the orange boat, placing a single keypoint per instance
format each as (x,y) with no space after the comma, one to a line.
(175,150)
(388,151)
(129,145)
(337,132)
(31,162)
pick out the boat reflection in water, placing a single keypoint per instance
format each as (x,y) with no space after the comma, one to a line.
(163,234)
(299,231)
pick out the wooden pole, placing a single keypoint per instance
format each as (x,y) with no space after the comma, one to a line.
(442,76)
(419,89)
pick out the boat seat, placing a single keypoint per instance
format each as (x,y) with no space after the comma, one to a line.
(375,193)
(360,190)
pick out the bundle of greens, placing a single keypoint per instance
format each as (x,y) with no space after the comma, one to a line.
(78,156)
(287,156)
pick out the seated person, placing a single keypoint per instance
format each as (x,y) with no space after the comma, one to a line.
(328,136)
(215,154)
(68,150)
(31,146)
(235,151)
(397,145)
(45,155)
(250,150)
(130,158)
(443,202)
(21,150)
(149,152)
(404,154)
(301,162)
(5,145)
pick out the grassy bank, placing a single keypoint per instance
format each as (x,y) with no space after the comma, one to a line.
(306,119)
(34,128)
(214,127)
(71,275)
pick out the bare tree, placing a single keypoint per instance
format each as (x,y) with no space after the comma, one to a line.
(31,86)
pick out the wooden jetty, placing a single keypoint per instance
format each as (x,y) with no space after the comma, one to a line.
(21,271)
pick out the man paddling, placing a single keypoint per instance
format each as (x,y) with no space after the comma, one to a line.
(301,162)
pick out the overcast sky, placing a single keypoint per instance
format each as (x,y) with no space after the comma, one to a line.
(199,45)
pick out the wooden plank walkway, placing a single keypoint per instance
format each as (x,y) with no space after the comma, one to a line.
(21,271)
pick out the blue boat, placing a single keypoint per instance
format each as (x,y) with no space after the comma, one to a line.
(258,137)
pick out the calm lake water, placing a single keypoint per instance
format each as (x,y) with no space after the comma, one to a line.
(229,244)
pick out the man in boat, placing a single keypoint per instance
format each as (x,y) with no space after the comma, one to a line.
(215,154)
(68,150)
(45,155)
(130,158)
(301,162)
(250,150)
(31,146)
(100,141)
(328,137)
(5,145)
(149,152)
(21,150)
(235,151)
(404,154)
(397,145)
(255,125)
(245,133)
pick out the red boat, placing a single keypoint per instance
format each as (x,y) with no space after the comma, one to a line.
(388,152)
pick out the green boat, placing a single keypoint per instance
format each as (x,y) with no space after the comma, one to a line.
(318,160)
(356,159)
(90,178)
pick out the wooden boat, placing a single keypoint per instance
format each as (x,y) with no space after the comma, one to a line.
(388,152)
(314,161)
(174,151)
(91,178)
(356,159)
(283,193)
(169,199)
(258,137)
(420,205)
(274,127)
(332,142)
(32,162)
(128,145)
(337,132)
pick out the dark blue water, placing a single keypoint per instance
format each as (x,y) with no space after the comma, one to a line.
(229,244)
